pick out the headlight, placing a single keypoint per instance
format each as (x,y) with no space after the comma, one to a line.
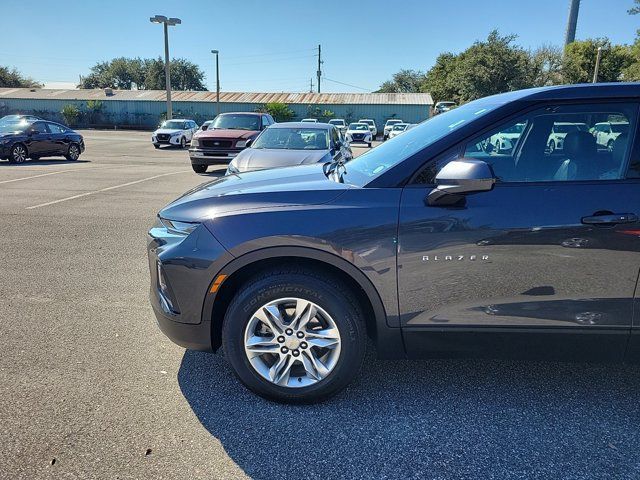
(241,144)
(175,134)
(232,169)
(194,142)
(178,228)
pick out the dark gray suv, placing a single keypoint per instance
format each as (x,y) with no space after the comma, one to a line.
(433,244)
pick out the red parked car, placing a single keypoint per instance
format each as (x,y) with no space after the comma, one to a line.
(228,135)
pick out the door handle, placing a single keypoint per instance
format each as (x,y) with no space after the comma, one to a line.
(610,219)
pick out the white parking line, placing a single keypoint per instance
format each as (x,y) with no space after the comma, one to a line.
(76,169)
(35,176)
(86,194)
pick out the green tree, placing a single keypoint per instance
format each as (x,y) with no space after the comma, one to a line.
(278,110)
(546,66)
(14,79)
(71,114)
(580,61)
(144,74)
(439,80)
(405,81)
(635,9)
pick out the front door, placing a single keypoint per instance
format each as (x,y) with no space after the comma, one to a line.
(545,264)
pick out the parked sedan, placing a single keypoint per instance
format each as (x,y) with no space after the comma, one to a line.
(388,126)
(340,124)
(372,126)
(292,143)
(20,141)
(176,132)
(397,129)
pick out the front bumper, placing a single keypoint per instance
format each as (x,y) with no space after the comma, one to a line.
(210,156)
(174,140)
(188,265)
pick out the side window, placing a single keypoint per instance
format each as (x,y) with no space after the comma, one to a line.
(265,121)
(53,128)
(40,127)
(335,138)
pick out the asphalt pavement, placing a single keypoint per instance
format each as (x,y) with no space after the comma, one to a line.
(90,388)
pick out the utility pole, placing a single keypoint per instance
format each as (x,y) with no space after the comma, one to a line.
(215,52)
(167,69)
(319,66)
(595,71)
(572,22)
(311,85)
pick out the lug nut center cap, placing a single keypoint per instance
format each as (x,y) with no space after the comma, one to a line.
(292,342)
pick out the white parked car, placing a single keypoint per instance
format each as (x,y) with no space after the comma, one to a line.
(177,132)
(442,107)
(359,132)
(559,131)
(388,126)
(372,126)
(503,142)
(607,132)
(339,123)
(397,129)
(205,125)
(309,120)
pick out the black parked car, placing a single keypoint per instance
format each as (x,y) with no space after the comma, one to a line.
(431,244)
(19,141)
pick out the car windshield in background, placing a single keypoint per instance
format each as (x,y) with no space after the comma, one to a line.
(358,126)
(237,122)
(569,127)
(172,125)
(366,167)
(336,122)
(393,122)
(293,139)
(400,126)
(620,127)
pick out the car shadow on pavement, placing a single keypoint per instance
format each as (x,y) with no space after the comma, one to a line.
(431,419)
(61,161)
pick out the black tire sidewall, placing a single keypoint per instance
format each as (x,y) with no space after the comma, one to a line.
(69,156)
(339,306)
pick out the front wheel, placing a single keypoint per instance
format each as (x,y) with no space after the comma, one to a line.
(369,145)
(610,145)
(294,336)
(183,142)
(18,154)
(552,146)
(199,168)
(73,153)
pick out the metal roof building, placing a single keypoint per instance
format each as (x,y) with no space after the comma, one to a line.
(143,108)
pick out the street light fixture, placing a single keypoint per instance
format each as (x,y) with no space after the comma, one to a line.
(215,52)
(167,73)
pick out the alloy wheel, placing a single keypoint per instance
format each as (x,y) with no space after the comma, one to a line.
(19,154)
(74,152)
(292,342)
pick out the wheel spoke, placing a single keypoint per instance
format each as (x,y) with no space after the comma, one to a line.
(314,367)
(305,311)
(328,338)
(280,371)
(271,317)
(261,345)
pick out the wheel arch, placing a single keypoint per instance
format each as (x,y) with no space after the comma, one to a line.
(388,340)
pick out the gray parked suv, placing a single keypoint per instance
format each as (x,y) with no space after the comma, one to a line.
(434,244)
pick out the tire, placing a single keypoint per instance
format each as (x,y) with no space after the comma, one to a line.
(552,147)
(18,153)
(337,309)
(369,145)
(73,153)
(183,143)
(199,168)
(610,145)
(497,147)
(155,145)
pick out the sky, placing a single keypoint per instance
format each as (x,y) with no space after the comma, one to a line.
(271,45)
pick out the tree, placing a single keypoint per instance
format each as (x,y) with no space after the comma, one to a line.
(71,114)
(546,66)
(636,9)
(439,80)
(144,74)
(405,81)
(278,110)
(580,61)
(13,78)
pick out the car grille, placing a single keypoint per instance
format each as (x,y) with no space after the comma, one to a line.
(357,136)
(213,143)
(163,136)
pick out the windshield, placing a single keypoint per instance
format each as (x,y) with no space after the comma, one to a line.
(393,122)
(309,120)
(401,126)
(336,122)
(172,125)
(15,126)
(368,122)
(293,139)
(366,167)
(236,122)
(358,126)
(620,127)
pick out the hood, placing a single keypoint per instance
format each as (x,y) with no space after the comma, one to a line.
(169,131)
(258,158)
(227,133)
(281,187)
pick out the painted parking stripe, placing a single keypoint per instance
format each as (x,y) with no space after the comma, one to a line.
(76,169)
(86,194)
(34,176)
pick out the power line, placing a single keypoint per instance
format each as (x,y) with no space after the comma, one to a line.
(347,84)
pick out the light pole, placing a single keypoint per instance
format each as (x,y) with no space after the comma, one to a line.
(167,70)
(215,52)
(597,68)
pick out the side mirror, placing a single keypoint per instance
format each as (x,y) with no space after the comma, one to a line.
(460,177)
(249,142)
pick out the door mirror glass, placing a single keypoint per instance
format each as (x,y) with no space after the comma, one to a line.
(460,177)
(249,142)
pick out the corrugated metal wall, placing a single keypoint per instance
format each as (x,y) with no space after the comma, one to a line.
(144,113)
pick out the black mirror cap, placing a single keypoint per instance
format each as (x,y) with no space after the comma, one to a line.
(249,142)
(461,177)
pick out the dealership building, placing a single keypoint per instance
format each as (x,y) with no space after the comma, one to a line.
(144,108)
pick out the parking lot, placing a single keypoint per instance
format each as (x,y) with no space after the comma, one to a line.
(92,389)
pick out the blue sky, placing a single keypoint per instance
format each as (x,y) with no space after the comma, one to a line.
(269,45)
